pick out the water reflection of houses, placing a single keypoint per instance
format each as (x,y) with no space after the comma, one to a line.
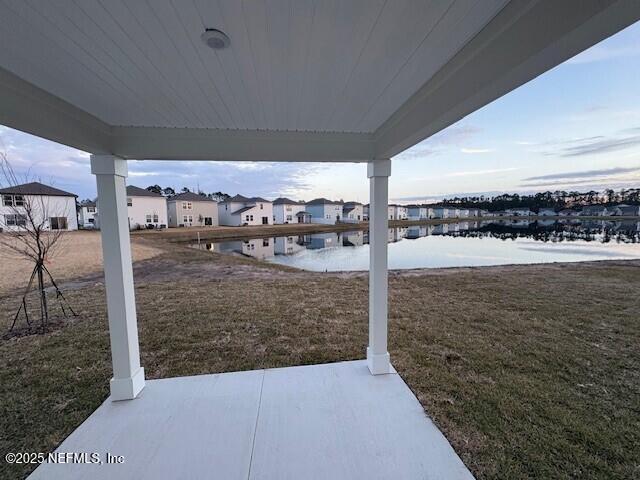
(441,229)
(397,234)
(417,231)
(353,239)
(290,245)
(259,248)
(324,240)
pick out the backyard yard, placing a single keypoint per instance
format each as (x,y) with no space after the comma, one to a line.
(529,371)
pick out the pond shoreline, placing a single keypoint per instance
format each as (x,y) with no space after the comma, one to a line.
(219,233)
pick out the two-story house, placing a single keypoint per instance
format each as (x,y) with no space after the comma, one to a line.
(192,210)
(286,210)
(325,211)
(240,210)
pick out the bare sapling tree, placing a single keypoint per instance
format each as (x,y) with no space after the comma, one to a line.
(27,233)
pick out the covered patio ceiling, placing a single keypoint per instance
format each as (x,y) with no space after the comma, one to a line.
(300,81)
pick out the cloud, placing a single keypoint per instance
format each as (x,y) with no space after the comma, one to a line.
(593,145)
(480,172)
(605,172)
(476,150)
(615,177)
(69,169)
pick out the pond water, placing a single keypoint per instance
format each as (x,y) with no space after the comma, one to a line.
(450,245)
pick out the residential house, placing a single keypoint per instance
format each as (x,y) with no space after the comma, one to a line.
(145,209)
(593,211)
(624,210)
(463,213)
(440,212)
(87,212)
(325,211)
(518,212)
(240,210)
(365,212)
(568,212)
(192,210)
(547,212)
(286,210)
(352,212)
(398,212)
(50,207)
(418,212)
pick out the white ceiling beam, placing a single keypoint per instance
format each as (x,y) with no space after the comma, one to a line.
(156,143)
(524,40)
(30,109)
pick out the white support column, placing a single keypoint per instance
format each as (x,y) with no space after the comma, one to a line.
(128,376)
(378,172)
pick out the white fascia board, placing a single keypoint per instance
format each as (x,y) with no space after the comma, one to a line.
(25,107)
(524,40)
(240,145)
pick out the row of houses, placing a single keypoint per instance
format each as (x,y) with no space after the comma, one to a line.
(147,209)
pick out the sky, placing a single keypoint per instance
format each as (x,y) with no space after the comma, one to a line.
(576,127)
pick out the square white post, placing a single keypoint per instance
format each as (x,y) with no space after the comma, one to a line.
(378,172)
(128,376)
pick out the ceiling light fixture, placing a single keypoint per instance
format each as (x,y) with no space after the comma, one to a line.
(215,39)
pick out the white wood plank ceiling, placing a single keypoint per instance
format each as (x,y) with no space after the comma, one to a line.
(295,65)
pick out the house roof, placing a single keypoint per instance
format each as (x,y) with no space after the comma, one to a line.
(242,199)
(351,204)
(89,203)
(189,197)
(629,209)
(133,191)
(324,201)
(243,209)
(36,188)
(286,201)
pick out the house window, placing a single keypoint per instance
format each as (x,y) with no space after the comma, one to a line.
(187,206)
(185,218)
(129,202)
(58,223)
(148,218)
(18,200)
(155,218)
(15,220)
(7,200)
(249,218)
(91,209)
(289,218)
(190,218)
(261,206)
(265,242)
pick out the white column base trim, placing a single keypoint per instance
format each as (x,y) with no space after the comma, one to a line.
(379,364)
(127,388)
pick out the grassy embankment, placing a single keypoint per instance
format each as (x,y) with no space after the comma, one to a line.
(530,371)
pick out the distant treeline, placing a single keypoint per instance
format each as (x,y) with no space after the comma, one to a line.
(558,200)
(169,192)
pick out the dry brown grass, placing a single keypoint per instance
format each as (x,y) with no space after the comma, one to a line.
(530,371)
(79,253)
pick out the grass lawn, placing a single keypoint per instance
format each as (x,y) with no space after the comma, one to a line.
(530,371)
